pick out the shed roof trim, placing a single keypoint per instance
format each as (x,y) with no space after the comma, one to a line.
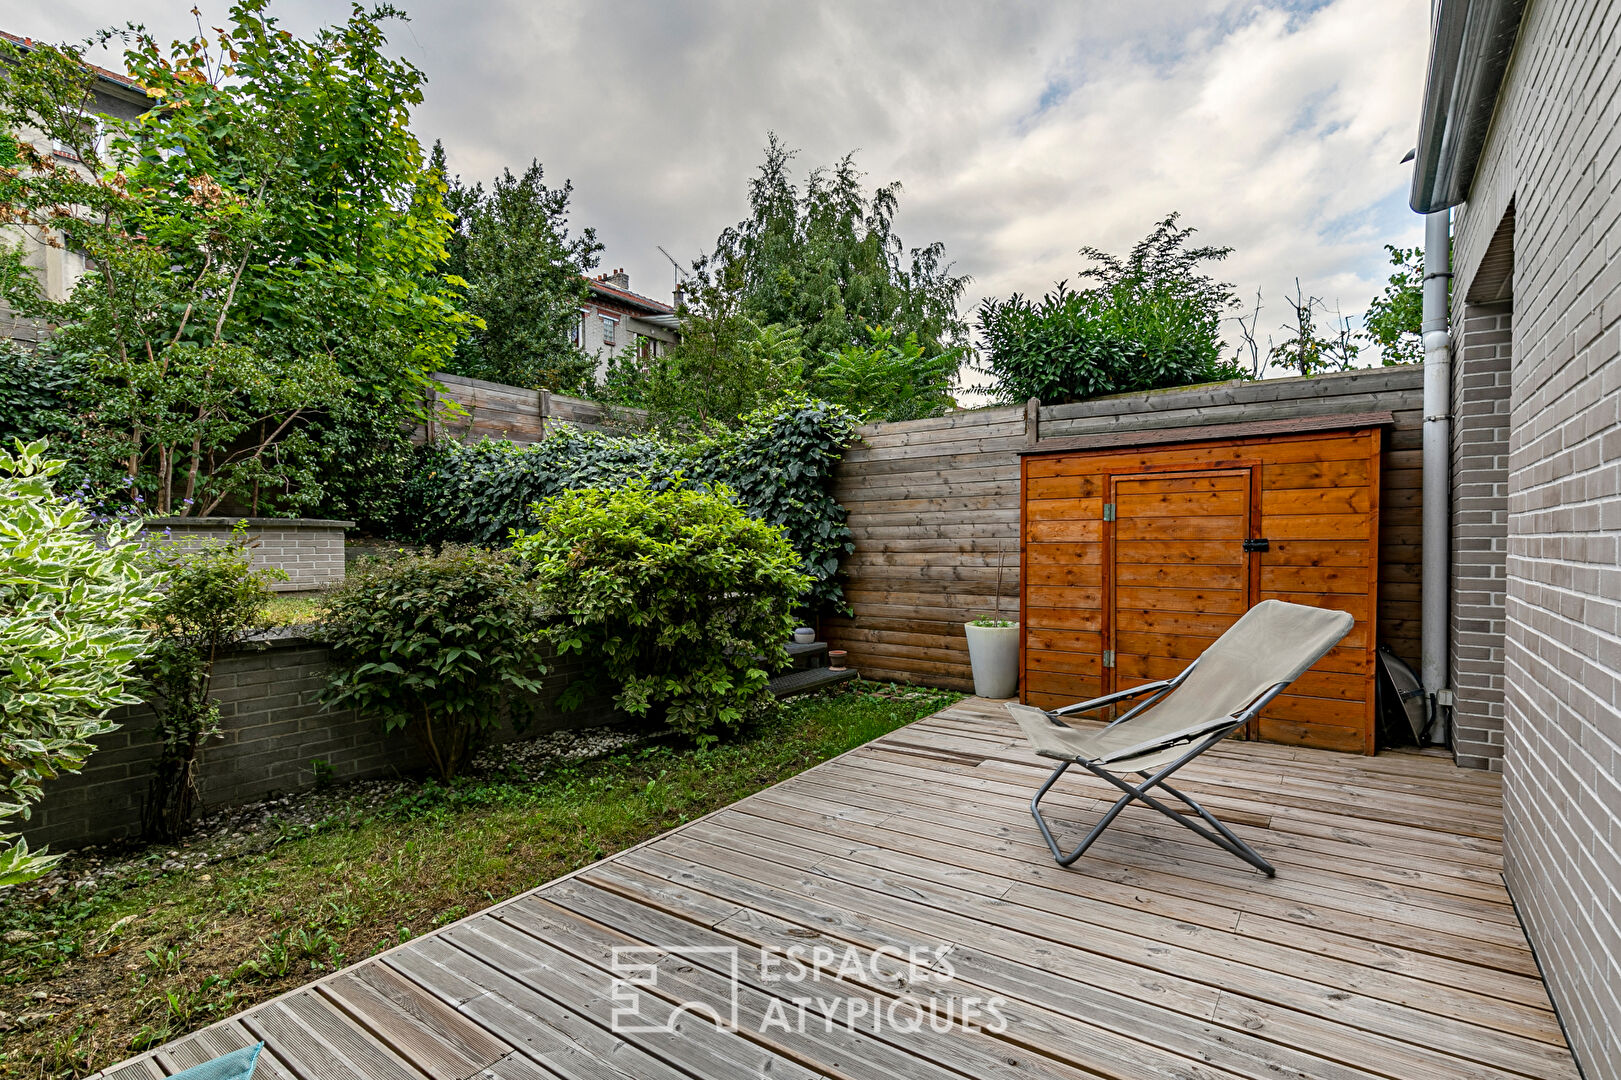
(1165,436)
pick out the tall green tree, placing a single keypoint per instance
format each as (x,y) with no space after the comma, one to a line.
(1395,318)
(726,365)
(522,272)
(824,258)
(262,255)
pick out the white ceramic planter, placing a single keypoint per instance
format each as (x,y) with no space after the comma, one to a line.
(994,653)
(804,635)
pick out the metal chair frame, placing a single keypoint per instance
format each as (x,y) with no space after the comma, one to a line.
(1222,836)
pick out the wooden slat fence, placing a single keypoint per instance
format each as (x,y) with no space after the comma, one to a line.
(934,505)
(497,411)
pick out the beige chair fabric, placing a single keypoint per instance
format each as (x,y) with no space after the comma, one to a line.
(1275,642)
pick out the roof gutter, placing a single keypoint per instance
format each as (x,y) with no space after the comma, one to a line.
(1471,42)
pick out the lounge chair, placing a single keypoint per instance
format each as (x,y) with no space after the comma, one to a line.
(1228,685)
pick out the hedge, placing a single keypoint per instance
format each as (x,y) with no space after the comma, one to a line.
(779,463)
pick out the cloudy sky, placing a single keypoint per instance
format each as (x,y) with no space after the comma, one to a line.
(1019,131)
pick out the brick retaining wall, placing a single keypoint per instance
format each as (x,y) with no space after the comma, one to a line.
(274,730)
(308,550)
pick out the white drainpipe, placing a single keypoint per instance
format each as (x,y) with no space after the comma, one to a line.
(1437,570)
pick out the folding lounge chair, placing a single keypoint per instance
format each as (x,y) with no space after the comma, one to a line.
(1230,683)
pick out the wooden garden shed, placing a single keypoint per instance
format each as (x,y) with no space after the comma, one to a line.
(1138,548)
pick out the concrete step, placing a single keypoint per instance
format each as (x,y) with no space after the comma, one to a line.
(812,654)
(790,683)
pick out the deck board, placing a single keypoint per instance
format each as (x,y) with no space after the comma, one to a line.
(1386,947)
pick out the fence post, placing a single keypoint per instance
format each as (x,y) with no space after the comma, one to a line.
(1032,421)
(545,411)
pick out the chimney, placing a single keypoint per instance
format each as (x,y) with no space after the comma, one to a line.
(618,279)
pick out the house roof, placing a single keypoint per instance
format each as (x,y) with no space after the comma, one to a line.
(1471,42)
(122,81)
(626,298)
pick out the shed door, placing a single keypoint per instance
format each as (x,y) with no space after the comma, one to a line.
(1179,575)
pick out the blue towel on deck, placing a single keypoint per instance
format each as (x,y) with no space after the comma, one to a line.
(237,1065)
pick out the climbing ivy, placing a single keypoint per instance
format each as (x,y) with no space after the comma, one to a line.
(36,392)
(778,462)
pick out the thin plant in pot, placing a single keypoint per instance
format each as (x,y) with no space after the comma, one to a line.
(993,645)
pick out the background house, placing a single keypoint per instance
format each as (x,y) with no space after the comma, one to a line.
(615,321)
(1520,134)
(59,268)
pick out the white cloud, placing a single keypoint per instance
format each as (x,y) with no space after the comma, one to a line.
(1019,131)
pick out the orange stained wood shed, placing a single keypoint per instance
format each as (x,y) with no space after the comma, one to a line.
(1134,558)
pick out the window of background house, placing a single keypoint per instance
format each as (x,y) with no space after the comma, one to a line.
(609,326)
(96,127)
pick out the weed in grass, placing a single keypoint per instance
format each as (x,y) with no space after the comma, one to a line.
(323,771)
(165,961)
(68,1055)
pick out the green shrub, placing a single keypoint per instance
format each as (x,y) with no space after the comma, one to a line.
(677,599)
(1077,345)
(479,493)
(887,379)
(70,613)
(1151,320)
(435,644)
(365,458)
(779,461)
(213,601)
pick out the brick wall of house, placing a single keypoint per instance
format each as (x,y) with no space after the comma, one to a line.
(1479,530)
(275,730)
(57,266)
(1552,157)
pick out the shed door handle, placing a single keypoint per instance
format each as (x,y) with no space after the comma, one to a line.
(1261,544)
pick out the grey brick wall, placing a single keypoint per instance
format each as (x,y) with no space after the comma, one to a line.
(274,730)
(308,550)
(1479,530)
(1552,155)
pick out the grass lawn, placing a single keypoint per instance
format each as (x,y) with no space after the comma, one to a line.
(87,978)
(294,609)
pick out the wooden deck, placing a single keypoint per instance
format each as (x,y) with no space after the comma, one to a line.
(1383,948)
